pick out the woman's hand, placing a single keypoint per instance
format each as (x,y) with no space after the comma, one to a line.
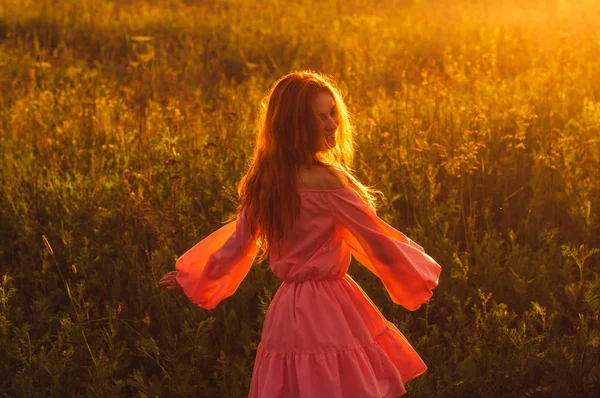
(170,282)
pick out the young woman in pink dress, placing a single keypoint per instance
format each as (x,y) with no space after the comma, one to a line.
(301,205)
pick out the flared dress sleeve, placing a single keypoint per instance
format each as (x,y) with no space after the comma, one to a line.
(214,268)
(407,272)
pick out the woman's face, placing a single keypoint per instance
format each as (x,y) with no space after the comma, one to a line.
(328,119)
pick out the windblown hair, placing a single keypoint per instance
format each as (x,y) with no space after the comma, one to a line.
(288,136)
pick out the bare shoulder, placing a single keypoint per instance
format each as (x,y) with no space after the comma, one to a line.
(320,177)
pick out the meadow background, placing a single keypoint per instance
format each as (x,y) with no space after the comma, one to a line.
(126,125)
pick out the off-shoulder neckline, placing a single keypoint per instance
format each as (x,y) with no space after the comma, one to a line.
(321,190)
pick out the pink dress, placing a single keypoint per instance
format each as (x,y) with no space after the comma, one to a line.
(322,335)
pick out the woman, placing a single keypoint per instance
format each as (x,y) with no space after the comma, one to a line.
(299,202)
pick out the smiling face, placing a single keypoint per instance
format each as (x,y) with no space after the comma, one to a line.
(327,117)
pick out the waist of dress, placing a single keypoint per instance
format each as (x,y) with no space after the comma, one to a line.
(290,281)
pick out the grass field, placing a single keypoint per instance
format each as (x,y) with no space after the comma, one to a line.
(126,125)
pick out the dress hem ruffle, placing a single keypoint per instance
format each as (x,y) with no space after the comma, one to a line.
(378,369)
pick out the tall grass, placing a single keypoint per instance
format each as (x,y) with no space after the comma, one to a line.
(125,126)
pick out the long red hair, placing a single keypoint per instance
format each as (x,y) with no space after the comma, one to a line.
(288,137)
